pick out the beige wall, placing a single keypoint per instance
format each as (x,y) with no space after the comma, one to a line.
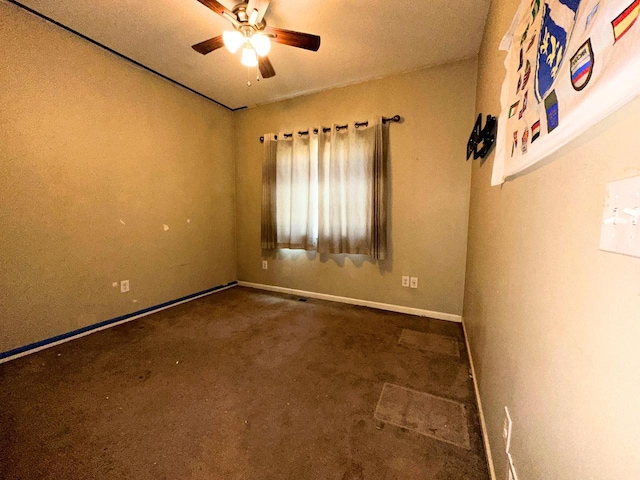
(429,189)
(87,141)
(554,323)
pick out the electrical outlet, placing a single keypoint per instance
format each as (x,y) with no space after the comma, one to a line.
(265,265)
(124,286)
(414,282)
(506,430)
(405,281)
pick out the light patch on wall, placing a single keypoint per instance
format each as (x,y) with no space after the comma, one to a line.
(188,220)
(165,227)
(122,222)
(287,253)
(114,284)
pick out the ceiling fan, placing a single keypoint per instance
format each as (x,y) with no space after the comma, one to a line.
(252,35)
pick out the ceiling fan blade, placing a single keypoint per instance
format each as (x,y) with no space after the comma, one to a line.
(220,10)
(266,69)
(215,6)
(251,5)
(262,9)
(256,10)
(294,39)
(209,46)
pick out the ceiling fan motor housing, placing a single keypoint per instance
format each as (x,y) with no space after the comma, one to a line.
(240,11)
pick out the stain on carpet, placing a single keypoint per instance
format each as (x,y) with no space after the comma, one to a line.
(354,472)
(426,414)
(429,342)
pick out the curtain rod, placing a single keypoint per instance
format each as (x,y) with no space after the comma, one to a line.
(395,119)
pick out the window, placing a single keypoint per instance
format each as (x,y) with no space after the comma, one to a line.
(326,191)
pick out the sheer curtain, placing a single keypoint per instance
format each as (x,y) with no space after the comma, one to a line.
(352,203)
(297,192)
(326,191)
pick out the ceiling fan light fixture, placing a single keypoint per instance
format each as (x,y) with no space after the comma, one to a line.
(249,57)
(250,33)
(233,40)
(253,18)
(261,44)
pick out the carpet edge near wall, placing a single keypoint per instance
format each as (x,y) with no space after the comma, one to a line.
(483,424)
(34,347)
(419,312)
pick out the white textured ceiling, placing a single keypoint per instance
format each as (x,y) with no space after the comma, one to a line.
(361,40)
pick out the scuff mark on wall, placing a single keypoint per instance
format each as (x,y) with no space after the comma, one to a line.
(122,222)
(165,227)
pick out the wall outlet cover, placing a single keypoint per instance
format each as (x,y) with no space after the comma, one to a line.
(124,286)
(405,281)
(414,282)
(265,265)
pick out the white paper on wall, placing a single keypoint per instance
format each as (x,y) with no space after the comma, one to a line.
(570,63)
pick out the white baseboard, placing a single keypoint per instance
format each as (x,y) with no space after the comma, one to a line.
(355,301)
(485,436)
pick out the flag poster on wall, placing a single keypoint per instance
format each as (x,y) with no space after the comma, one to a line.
(570,63)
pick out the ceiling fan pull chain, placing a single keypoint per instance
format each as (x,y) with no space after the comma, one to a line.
(248,76)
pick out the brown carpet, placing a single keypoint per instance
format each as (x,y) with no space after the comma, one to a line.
(241,384)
